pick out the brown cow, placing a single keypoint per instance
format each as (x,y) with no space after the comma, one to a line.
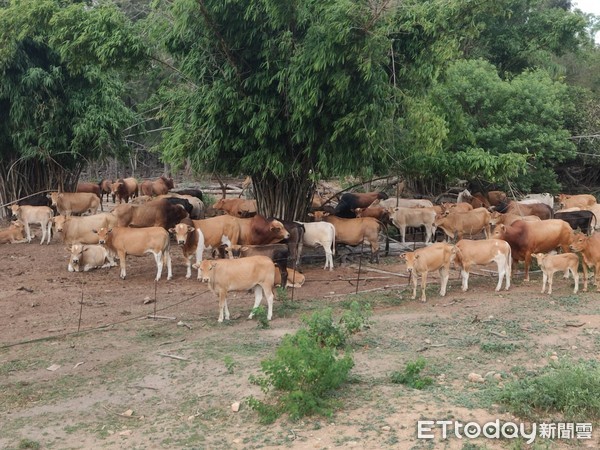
(468,253)
(526,238)
(254,272)
(259,231)
(470,222)
(106,188)
(124,188)
(436,257)
(509,219)
(579,201)
(14,234)
(91,188)
(376,212)
(124,241)
(160,186)
(565,262)
(354,231)
(192,242)
(590,250)
(481,200)
(456,207)
(294,279)
(157,213)
(352,200)
(237,207)
(542,210)
(68,203)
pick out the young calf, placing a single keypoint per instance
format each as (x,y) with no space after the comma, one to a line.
(468,253)
(436,257)
(192,242)
(253,272)
(87,257)
(13,234)
(567,262)
(35,214)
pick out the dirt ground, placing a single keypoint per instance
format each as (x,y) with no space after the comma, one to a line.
(120,385)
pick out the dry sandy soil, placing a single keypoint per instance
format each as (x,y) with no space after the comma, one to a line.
(113,387)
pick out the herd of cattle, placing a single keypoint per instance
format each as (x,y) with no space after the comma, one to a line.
(251,252)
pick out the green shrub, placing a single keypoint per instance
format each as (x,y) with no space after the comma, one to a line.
(303,373)
(324,330)
(229,364)
(260,313)
(411,376)
(568,388)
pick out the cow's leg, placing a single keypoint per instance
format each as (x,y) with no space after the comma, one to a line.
(501,263)
(402,232)
(585,276)
(188,264)
(49,228)
(268,291)
(550,277)
(167,257)
(257,299)
(222,303)
(122,263)
(423,286)
(596,276)
(527,265)
(508,271)
(199,250)
(464,274)
(444,275)
(28,231)
(544,280)
(413,277)
(575,273)
(158,257)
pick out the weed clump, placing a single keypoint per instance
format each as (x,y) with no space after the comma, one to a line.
(411,376)
(309,365)
(567,388)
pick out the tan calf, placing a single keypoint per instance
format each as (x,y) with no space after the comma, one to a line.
(192,242)
(294,278)
(509,218)
(68,203)
(468,253)
(565,262)
(414,217)
(354,231)
(80,230)
(86,257)
(436,257)
(579,201)
(237,207)
(14,234)
(460,223)
(253,272)
(35,214)
(124,241)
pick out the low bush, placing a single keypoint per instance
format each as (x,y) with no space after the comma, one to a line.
(411,376)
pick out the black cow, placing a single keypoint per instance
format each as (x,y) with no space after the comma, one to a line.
(193,192)
(350,201)
(584,220)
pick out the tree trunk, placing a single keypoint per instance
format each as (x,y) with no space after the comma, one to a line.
(287,199)
(23,177)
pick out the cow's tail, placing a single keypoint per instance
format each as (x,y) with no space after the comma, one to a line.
(333,242)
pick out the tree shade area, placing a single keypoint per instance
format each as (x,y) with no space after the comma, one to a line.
(290,92)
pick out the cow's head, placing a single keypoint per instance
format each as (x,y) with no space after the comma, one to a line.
(76,251)
(578,242)
(499,232)
(278,230)
(318,216)
(539,258)
(54,196)
(59,222)
(206,268)
(220,204)
(102,234)
(181,231)
(15,209)
(409,259)
(114,188)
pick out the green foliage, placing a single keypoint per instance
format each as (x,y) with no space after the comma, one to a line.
(326,332)
(303,373)
(260,312)
(230,364)
(568,388)
(28,443)
(411,376)
(499,347)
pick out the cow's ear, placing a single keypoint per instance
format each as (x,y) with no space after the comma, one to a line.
(94,231)
(311,215)
(402,257)
(190,229)
(417,256)
(171,230)
(69,249)
(325,214)
(245,248)
(109,230)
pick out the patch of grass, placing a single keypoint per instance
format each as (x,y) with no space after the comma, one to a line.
(23,393)
(28,443)
(568,388)
(230,364)
(568,300)
(260,313)
(411,376)
(499,347)
(20,365)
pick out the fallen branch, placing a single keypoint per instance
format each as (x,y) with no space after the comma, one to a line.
(171,342)
(152,316)
(370,269)
(145,387)
(180,358)
(574,324)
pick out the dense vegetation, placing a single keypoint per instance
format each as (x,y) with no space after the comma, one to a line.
(292,91)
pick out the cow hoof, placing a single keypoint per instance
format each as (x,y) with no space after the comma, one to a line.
(170,278)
